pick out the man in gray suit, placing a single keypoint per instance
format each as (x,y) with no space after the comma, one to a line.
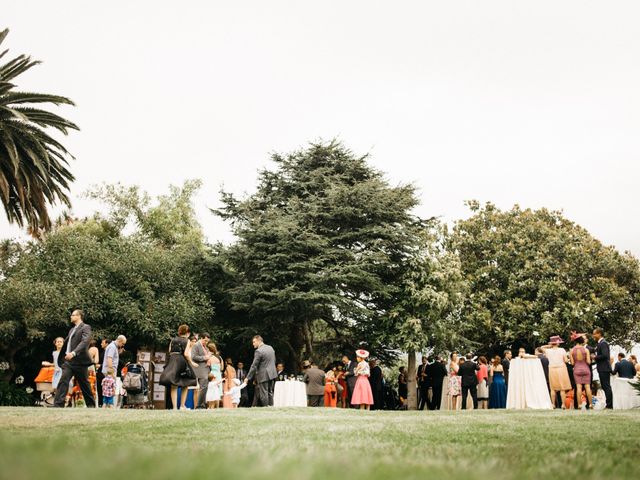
(314,378)
(200,355)
(263,369)
(74,360)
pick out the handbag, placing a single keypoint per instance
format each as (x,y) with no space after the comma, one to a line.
(188,372)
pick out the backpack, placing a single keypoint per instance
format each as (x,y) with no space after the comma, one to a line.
(133,381)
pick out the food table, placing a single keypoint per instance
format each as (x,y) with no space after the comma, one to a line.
(527,385)
(290,393)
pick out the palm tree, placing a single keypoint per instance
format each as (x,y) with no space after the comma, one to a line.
(33,165)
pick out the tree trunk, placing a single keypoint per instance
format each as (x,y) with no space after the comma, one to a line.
(308,340)
(297,344)
(412,401)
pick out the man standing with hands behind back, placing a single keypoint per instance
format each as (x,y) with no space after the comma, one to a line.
(263,369)
(603,365)
(76,360)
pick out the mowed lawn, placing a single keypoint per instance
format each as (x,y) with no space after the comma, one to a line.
(317,444)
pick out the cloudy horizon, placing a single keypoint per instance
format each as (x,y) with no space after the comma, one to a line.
(507,102)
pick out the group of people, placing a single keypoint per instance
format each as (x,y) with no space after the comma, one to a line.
(346,384)
(194,362)
(569,375)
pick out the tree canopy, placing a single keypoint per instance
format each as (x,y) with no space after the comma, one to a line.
(320,247)
(533,273)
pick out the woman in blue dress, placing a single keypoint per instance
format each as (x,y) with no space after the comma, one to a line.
(498,389)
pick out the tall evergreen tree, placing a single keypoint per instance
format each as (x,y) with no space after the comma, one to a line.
(321,246)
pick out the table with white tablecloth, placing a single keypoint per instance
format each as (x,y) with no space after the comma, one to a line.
(625,397)
(290,393)
(527,385)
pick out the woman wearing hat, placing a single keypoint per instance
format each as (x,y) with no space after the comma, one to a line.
(558,375)
(362,394)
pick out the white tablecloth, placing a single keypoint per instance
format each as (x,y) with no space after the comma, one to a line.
(625,396)
(527,385)
(290,393)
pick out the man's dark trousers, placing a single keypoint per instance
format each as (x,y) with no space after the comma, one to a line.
(81,375)
(474,396)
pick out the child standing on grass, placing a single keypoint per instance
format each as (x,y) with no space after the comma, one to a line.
(235,392)
(362,394)
(108,388)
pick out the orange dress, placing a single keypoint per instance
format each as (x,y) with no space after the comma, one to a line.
(330,393)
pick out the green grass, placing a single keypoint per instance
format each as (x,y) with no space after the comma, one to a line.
(317,444)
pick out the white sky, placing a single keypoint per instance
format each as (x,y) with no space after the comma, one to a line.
(526,102)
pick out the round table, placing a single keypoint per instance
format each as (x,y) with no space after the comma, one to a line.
(290,393)
(527,385)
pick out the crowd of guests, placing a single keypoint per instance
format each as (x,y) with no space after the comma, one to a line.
(195,363)
(569,375)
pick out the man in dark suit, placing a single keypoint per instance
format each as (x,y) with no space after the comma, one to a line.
(376,381)
(506,362)
(545,364)
(282,375)
(263,369)
(200,355)
(436,372)
(624,368)
(241,374)
(75,362)
(603,365)
(467,373)
(423,383)
(349,376)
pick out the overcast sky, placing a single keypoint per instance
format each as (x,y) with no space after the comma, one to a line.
(535,103)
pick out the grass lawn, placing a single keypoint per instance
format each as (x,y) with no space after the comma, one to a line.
(317,444)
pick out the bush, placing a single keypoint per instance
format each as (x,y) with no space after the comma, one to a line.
(13,396)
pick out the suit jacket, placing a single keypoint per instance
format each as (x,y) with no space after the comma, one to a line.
(545,366)
(625,369)
(603,357)
(437,371)
(314,378)
(263,368)
(505,368)
(467,373)
(79,345)
(198,355)
(350,374)
(424,381)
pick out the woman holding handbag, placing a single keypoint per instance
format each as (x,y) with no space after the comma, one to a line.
(179,369)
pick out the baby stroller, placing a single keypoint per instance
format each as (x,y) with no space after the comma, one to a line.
(136,385)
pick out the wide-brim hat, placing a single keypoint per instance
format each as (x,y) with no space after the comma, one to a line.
(556,339)
(362,354)
(306,363)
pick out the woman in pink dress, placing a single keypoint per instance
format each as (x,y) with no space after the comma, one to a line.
(362,394)
(581,360)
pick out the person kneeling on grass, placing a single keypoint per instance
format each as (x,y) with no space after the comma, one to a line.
(108,388)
